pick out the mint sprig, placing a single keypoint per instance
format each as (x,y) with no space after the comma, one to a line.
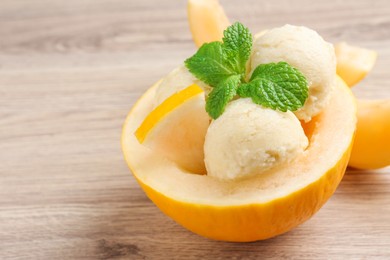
(222,65)
(210,64)
(237,42)
(277,86)
(218,98)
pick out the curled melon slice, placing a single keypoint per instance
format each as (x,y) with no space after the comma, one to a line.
(177,128)
(255,208)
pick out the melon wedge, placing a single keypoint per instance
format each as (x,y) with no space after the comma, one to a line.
(207,21)
(177,129)
(252,209)
(371,149)
(353,63)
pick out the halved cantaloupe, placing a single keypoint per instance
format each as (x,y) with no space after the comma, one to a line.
(256,208)
(371,148)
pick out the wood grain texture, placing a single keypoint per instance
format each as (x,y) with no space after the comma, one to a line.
(69,73)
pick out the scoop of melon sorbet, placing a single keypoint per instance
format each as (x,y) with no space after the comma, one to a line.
(305,50)
(249,139)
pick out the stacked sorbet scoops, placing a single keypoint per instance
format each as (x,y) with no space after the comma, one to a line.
(255,96)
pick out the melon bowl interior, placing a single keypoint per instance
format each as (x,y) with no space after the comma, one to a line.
(256,208)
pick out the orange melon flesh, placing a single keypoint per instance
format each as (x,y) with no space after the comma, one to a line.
(371,149)
(353,63)
(251,209)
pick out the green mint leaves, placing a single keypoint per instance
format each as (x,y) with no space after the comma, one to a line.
(218,98)
(222,65)
(277,86)
(237,43)
(216,61)
(210,64)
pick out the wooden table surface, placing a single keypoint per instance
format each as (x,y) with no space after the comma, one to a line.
(69,73)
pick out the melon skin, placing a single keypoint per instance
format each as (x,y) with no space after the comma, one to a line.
(252,222)
(244,222)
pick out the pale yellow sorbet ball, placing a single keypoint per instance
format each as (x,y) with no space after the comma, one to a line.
(305,50)
(249,139)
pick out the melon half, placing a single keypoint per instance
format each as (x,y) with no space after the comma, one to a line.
(256,208)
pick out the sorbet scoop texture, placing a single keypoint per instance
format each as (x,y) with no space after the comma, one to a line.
(249,139)
(305,50)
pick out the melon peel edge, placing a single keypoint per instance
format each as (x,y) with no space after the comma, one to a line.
(220,222)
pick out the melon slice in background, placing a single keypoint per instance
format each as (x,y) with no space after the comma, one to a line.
(207,20)
(353,63)
(371,149)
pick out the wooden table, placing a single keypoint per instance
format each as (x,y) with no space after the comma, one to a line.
(69,73)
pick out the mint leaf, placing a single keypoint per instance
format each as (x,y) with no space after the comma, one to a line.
(222,66)
(217,61)
(277,86)
(210,64)
(218,98)
(237,42)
